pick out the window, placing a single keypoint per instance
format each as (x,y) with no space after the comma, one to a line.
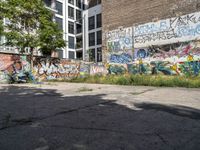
(59,21)
(92,55)
(84,6)
(59,7)
(99,21)
(71,12)
(71,55)
(79,55)
(99,37)
(60,53)
(71,2)
(93,3)
(47,3)
(91,23)
(99,54)
(71,42)
(78,15)
(71,27)
(78,28)
(79,42)
(78,3)
(92,39)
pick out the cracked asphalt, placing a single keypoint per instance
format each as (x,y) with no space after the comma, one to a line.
(69,116)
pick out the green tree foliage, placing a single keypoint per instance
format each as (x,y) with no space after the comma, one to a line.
(30,25)
(1,27)
(1,20)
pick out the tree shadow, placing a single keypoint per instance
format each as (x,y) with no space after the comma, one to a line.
(38,118)
(177,110)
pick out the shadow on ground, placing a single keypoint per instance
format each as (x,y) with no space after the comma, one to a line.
(44,119)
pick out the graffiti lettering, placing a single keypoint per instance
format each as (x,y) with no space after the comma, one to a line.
(172,30)
(123,58)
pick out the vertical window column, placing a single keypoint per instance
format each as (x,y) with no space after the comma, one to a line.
(99,21)
(59,8)
(71,27)
(92,39)
(91,23)
(71,12)
(99,37)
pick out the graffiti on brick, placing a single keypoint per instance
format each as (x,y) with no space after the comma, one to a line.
(120,39)
(123,58)
(84,69)
(117,69)
(98,69)
(54,68)
(178,29)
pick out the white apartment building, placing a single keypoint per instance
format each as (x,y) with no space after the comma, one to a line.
(81,26)
(92,33)
(68,13)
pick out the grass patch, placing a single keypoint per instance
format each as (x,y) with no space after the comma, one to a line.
(144,80)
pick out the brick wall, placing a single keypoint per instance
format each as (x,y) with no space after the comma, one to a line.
(127,13)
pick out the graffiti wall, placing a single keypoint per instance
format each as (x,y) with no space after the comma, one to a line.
(54,68)
(16,67)
(120,39)
(98,69)
(172,30)
(169,47)
(120,45)
(172,59)
(13,65)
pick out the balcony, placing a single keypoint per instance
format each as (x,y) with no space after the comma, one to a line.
(78,28)
(79,45)
(50,4)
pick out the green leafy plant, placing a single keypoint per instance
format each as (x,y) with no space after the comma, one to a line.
(30,25)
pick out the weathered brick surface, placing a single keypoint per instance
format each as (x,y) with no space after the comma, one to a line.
(127,13)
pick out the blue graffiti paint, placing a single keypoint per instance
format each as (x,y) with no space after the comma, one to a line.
(188,31)
(152,28)
(142,53)
(123,58)
(116,70)
(114,46)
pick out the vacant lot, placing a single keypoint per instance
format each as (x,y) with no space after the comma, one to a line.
(67,116)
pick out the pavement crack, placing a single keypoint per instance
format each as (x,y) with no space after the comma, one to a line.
(85,128)
(26,121)
(164,141)
(142,92)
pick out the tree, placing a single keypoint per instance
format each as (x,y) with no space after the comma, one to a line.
(1,21)
(1,27)
(31,26)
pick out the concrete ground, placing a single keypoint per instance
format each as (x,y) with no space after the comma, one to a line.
(68,116)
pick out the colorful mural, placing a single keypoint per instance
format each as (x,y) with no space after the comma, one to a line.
(98,69)
(54,68)
(169,47)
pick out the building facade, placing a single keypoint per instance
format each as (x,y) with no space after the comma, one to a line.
(93,32)
(73,18)
(68,15)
